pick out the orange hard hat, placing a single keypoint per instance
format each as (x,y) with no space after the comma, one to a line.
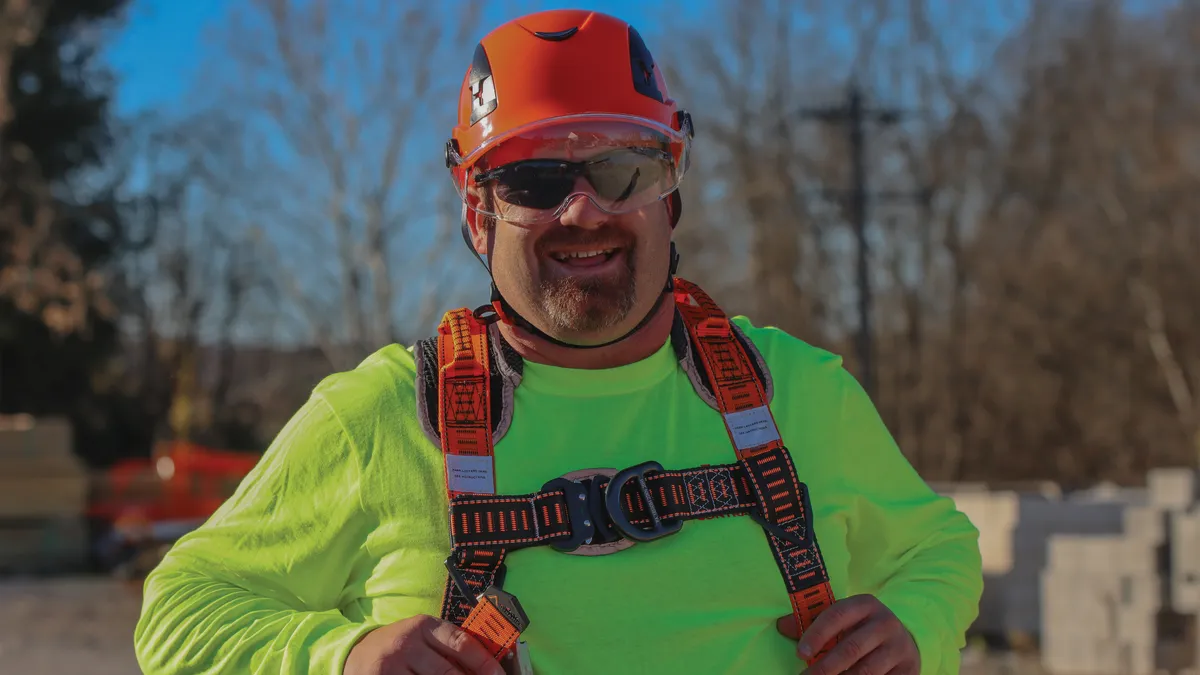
(563,66)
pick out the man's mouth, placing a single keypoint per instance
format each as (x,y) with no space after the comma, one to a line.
(583,259)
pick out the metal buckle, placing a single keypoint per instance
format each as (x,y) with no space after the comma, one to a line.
(805,540)
(517,662)
(591,510)
(583,528)
(612,505)
(592,531)
(502,600)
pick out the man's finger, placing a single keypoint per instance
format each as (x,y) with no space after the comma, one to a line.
(840,617)
(882,661)
(853,649)
(430,662)
(463,649)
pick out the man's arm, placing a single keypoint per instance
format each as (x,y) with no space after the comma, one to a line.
(909,547)
(257,588)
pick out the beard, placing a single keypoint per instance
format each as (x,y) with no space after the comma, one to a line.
(587,303)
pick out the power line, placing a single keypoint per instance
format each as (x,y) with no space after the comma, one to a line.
(855,115)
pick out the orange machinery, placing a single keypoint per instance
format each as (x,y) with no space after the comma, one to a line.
(148,503)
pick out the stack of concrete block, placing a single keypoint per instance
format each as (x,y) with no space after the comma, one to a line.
(1174,494)
(1014,528)
(1185,561)
(994,514)
(1100,597)
(1125,604)
(43,497)
(1172,489)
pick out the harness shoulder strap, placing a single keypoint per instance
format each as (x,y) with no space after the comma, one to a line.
(464,402)
(504,375)
(784,509)
(693,366)
(472,597)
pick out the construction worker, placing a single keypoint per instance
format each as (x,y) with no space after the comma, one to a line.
(597,472)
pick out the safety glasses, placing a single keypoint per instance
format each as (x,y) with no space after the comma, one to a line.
(532,176)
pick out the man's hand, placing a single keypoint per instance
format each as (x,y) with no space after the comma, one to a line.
(423,645)
(874,641)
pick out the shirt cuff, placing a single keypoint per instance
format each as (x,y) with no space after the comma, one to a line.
(919,616)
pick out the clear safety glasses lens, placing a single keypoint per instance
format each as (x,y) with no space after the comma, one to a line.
(532,178)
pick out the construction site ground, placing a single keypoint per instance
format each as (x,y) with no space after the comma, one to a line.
(68,625)
(85,625)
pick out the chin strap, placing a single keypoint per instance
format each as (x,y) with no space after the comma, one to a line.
(500,310)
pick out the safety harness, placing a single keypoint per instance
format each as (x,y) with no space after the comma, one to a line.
(465,398)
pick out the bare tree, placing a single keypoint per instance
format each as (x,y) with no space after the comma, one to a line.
(186,291)
(348,191)
(764,165)
(1036,314)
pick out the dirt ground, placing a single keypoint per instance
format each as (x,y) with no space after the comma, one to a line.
(67,625)
(84,625)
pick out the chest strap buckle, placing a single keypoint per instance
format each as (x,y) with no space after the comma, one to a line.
(579,512)
(659,528)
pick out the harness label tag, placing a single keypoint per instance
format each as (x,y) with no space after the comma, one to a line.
(468,473)
(752,428)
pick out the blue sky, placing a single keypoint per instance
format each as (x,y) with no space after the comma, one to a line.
(162,46)
(155,54)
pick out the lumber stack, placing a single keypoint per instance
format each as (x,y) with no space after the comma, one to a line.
(43,497)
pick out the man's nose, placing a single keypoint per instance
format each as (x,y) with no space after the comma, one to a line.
(581,211)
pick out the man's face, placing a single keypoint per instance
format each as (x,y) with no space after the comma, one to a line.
(580,241)
(587,277)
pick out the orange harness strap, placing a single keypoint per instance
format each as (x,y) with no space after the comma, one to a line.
(471,599)
(464,410)
(491,526)
(783,499)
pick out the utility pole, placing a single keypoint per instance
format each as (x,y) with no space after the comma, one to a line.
(855,115)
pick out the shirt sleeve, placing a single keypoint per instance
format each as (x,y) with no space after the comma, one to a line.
(909,546)
(256,589)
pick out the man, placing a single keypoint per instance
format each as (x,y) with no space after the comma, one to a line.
(456,508)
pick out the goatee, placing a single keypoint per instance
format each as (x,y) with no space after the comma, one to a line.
(585,303)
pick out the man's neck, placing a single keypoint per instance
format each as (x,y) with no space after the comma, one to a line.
(636,347)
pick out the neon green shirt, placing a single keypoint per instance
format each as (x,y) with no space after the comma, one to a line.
(342,527)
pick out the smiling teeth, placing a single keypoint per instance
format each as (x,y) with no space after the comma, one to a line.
(583,254)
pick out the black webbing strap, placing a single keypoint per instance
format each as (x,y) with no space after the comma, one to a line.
(511,522)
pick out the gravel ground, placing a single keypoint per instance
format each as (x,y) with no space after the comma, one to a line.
(77,626)
(70,626)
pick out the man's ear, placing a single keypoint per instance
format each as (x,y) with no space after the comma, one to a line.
(477,227)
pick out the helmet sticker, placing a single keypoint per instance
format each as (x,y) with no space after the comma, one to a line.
(483,87)
(643,67)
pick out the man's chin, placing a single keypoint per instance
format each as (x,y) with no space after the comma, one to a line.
(588,321)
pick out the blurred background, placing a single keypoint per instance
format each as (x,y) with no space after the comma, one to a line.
(991,208)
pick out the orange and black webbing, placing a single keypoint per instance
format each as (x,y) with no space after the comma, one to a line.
(784,510)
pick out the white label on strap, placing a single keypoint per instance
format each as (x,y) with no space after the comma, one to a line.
(468,473)
(752,428)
